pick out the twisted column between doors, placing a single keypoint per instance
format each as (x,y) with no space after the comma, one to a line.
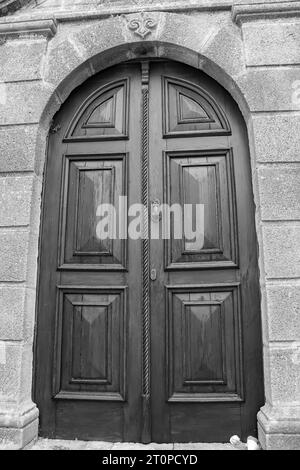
(146,383)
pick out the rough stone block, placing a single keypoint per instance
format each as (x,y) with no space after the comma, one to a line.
(279,189)
(23,102)
(21,60)
(15,372)
(13,255)
(17,313)
(25,389)
(226,49)
(15,200)
(12,301)
(272,43)
(283,312)
(97,37)
(267,377)
(29,315)
(281,250)
(17,148)
(32,260)
(273,89)
(194,31)
(284,365)
(10,370)
(277,137)
(40,141)
(63,59)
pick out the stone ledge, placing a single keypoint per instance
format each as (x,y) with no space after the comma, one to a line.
(32,29)
(112,9)
(10,6)
(261,11)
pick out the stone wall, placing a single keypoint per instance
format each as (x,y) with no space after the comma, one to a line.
(253,50)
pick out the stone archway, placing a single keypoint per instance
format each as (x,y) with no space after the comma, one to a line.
(69,61)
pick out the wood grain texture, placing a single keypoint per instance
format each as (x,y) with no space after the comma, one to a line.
(204,350)
(202,177)
(90,344)
(205,328)
(103,115)
(88,348)
(119,356)
(91,181)
(189,110)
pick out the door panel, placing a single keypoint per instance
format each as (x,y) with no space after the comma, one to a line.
(201,335)
(204,178)
(91,344)
(103,115)
(205,329)
(88,348)
(204,343)
(92,181)
(189,110)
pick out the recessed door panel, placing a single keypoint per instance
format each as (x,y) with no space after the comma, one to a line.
(91,344)
(201,184)
(92,188)
(189,110)
(204,347)
(103,115)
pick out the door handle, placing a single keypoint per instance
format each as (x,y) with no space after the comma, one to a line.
(155,210)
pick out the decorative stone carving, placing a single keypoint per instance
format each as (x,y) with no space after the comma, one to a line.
(142,24)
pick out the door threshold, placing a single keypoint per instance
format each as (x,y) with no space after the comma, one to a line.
(57,444)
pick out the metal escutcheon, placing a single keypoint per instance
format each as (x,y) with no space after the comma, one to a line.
(155,211)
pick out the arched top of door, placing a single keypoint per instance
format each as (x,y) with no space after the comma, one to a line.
(141,51)
(188,110)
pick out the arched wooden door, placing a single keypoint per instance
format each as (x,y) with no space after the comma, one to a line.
(154,337)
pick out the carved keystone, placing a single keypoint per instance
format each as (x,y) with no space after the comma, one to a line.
(142,24)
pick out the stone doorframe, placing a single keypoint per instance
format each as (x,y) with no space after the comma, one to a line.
(46,62)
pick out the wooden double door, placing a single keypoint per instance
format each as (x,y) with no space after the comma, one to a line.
(143,337)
